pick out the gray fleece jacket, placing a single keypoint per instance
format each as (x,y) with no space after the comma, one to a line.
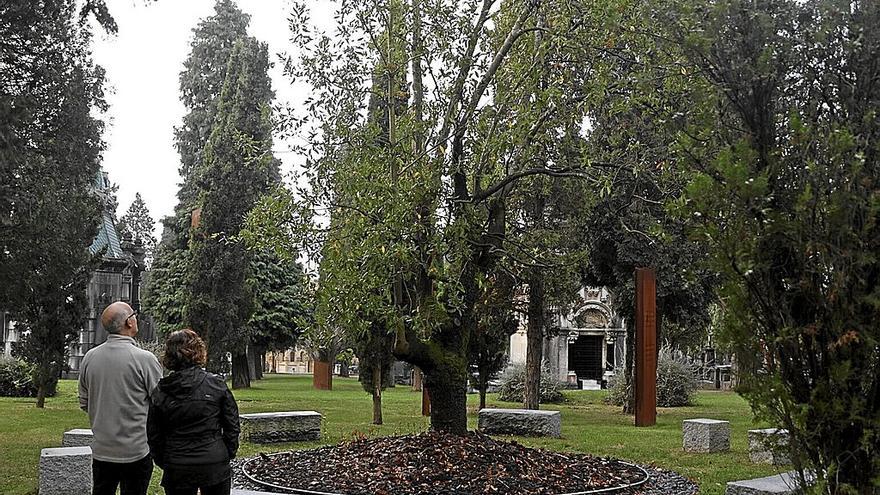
(115,382)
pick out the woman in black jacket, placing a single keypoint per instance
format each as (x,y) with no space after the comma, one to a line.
(193,424)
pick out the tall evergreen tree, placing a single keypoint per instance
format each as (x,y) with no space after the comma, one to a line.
(238,168)
(50,147)
(280,305)
(139,225)
(201,82)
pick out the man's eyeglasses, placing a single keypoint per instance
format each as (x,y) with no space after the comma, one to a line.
(129,316)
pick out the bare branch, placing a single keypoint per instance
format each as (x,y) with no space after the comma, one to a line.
(561,172)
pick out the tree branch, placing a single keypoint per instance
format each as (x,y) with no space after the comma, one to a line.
(562,172)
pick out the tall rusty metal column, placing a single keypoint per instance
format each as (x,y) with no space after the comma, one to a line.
(646,347)
(426,401)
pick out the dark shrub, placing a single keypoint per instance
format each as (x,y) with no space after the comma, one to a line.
(513,385)
(16,379)
(676,383)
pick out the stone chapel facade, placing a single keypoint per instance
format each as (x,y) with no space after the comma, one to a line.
(583,347)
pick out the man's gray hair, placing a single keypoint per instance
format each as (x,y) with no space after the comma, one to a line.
(117,323)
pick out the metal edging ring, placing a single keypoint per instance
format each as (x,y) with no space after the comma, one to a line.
(301,491)
(616,488)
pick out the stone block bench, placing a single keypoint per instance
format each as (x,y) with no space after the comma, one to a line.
(77,438)
(780,484)
(275,427)
(520,422)
(706,435)
(769,446)
(66,471)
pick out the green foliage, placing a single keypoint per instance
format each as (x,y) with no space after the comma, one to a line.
(418,182)
(496,322)
(50,147)
(166,294)
(48,329)
(784,144)
(676,382)
(204,277)
(238,168)
(513,383)
(280,305)
(201,82)
(139,225)
(375,359)
(17,379)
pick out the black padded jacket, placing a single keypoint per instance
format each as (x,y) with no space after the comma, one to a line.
(193,420)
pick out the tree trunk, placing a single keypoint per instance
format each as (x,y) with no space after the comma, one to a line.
(482,384)
(251,362)
(447,385)
(258,362)
(629,403)
(417,379)
(377,395)
(274,362)
(344,370)
(535,341)
(41,396)
(426,401)
(241,377)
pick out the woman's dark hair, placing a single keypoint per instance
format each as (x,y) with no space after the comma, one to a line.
(183,349)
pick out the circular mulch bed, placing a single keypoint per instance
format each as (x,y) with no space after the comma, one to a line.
(438,463)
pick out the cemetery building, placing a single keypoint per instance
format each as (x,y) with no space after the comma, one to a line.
(584,346)
(117,278)
(296,360)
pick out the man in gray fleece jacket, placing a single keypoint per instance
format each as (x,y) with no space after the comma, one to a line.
(115,382)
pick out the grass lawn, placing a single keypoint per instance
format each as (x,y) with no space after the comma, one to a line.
(587,426)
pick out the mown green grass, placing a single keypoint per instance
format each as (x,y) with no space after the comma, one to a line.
(588,426)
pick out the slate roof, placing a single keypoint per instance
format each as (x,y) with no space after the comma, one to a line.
(107,235)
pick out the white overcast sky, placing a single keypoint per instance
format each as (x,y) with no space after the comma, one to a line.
(143,62)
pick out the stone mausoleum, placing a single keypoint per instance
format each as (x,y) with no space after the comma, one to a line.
(584,346)
(118,278)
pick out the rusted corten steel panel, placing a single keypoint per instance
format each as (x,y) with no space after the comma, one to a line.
(646,347)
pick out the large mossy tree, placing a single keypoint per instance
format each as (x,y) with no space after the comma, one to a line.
(426,212)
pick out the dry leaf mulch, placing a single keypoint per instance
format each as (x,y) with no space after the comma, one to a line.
(439,463)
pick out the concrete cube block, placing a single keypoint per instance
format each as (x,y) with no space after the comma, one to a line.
(275,427)
(706,435)
(769,446)
(780,484)
(520,422)
(80,437)
(66,471)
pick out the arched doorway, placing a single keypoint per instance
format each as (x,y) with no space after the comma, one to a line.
(585,357)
